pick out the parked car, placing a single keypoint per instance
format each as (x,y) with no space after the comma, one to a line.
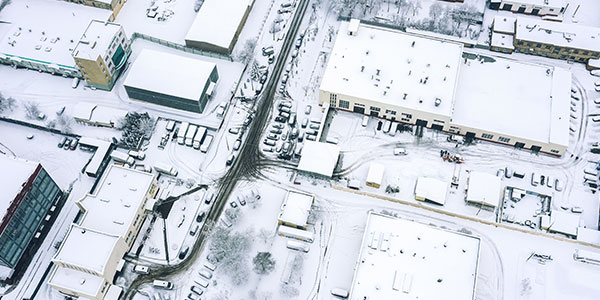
(280,119)
(67,144)
(183,253)
(237,144)
(197,290)
(233,204)
(209,199)
(275,131)
(230,160)
(304,122)
(268,149)
(242,201)
(272,136)
(140,269)
(74,144)
(269,142)
(234,130)
(400,151)
(193,296)
(268,50)
(200,216)
(308,109)
(62,142)
(271,58)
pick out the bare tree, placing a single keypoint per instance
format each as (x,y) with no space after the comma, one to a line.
(247,53)
(6,103)
(230,250)
(264,263)
(435,12)
(255,72)
(416,7)
(4,3)
(32,110)
(65,123)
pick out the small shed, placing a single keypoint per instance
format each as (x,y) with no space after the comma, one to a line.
(375,175)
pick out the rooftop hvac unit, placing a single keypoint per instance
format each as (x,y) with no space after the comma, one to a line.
(438,101)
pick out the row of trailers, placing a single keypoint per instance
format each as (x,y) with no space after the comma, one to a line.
(192,135)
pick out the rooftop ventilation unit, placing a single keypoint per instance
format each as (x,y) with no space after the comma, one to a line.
(438,101)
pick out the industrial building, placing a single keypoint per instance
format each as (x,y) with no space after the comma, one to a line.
(531,7)
(401,77)
(171,80)
(101,53)
(402,259)
(211,15)
(295,209)
(29,201)
(483,189)
(91,253)
(319,159)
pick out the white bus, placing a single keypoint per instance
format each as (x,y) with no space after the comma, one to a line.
(182,132)
(587,256)
(189,135)
(296,233)
(296,245)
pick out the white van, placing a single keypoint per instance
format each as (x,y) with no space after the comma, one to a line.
(163,284)
(400,151)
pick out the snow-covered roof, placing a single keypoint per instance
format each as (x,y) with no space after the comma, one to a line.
(169,74)
(382,65)
(113,293)
(375,174)
(118,197)
(87,249)
(84,283)
(498,97)
(542,3)
(102,148)
(567,35)
(96,39)
(504,24)
(296,208)
(218,22)
(484,188)
(319,158)
(39,44)
(97,114)
(502,40)
(11,182)
(401,259)
(431,189)
(588,235)
(561,222)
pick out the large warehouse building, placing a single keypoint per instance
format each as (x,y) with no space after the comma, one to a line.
(402,259)
(431,82)
(171,80)
(89,256)
(29,198)
(202,34)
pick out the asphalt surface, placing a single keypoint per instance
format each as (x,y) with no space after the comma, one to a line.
(247,165)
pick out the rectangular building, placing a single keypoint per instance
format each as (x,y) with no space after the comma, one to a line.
(112,216)
(557,40)
(388,74)
(101,53)
(203,34)
(171,80)
(402,77)
(531,7)
(319,159)
(295,209)
(27,195)
(401,259)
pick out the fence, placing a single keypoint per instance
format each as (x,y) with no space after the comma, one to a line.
(137,35)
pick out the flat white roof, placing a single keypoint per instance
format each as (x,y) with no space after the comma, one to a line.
(296,208)
(382,65)
(375,174)
(562,222)
(431,189)
(39,44)
(74,280)
(504,24)
(96,39)
(401,259)
(588,235)
(484,188)
(319,158)
(499,97)
(567,35)
(11,182)
(502,40)
(102,148)
(169,74)
(595,63)
(117,199)
(217,21)
(87,248)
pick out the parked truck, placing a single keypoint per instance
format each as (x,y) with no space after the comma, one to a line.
(165,169)
(182,133)
(189,136)
(199,137)
(122,157)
